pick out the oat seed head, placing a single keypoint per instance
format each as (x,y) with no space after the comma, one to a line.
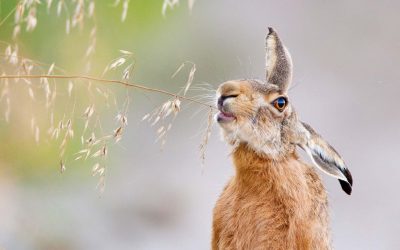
(50,83)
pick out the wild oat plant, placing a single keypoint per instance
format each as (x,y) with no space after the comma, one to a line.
(50,86)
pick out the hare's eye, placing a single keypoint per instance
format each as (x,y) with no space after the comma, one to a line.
(280,103)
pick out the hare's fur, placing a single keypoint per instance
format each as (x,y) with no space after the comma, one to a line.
(271,205)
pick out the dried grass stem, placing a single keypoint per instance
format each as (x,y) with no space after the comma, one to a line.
(126,84)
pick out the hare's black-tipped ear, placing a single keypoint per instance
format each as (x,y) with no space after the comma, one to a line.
(325,157)
(278,61)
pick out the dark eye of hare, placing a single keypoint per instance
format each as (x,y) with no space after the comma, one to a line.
(280,103)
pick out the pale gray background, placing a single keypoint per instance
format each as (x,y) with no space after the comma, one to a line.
(346,72)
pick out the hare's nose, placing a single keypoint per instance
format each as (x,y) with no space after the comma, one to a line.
(222,98)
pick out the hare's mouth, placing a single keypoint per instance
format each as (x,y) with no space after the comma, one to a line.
(225,117)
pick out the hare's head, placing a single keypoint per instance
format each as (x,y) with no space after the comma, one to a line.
(260,115)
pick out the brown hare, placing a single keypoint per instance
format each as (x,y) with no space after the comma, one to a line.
(274,201)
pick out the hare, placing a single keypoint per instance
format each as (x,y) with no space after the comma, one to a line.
(274,201)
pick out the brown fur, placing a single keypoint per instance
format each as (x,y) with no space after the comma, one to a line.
(271,205)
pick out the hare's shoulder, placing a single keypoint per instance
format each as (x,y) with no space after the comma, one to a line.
(244,220)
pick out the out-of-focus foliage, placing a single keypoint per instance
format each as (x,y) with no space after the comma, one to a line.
(55,40)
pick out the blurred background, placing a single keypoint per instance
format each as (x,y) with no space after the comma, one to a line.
(346,70)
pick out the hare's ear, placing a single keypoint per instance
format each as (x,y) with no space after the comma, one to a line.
(325,157)
(278,61)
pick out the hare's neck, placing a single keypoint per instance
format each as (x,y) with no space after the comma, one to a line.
(255,171)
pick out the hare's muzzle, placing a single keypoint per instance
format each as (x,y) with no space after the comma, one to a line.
(223,115)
